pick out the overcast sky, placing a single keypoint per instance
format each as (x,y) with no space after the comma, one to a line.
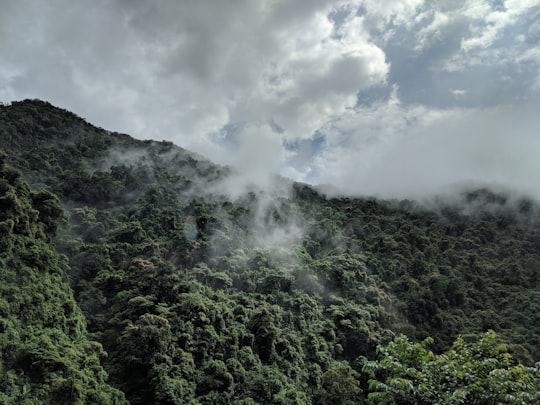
(390,97)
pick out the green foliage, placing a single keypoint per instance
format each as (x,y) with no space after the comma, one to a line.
(200,299)
(481,372)
(46,355)
(340,384)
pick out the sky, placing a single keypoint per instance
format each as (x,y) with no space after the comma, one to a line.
(394,98)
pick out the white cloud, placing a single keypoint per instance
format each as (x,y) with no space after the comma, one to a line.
(488,22)
(432,32)
(393,12)
(289,72)
(458,92)
(182,70)
(427,151)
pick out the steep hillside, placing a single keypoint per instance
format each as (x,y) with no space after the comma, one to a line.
(204,287)
(46,354)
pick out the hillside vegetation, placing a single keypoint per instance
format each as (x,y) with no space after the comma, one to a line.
(203,288)
(46,354)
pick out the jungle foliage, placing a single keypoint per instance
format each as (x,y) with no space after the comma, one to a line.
(267,297)
(46,356)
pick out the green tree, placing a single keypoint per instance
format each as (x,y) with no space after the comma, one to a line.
(482,373)
(340,385)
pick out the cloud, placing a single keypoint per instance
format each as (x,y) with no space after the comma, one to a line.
(489,20)
(325,91)
(184,71)
(426,152)
(256,153)
(189,68)
(432,32)
(458,92)
(392,12)
(492,28)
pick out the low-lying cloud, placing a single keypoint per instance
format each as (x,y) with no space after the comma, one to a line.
(419,151)
(394,98)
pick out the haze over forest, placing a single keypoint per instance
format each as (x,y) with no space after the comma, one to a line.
(269,202)
(138,271)
(393,98)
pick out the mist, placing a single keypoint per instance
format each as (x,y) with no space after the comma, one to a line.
(401,100)
(442,152)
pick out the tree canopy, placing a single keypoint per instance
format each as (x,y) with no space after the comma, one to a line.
(130,259)
(478,372)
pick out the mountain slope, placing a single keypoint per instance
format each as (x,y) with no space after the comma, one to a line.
(271,294)
(46,355)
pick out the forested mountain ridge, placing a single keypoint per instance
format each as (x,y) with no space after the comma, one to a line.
(273,295)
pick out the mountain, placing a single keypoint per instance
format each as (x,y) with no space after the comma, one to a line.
(202,286)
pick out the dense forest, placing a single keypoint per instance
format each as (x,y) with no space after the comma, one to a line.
(131,273)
